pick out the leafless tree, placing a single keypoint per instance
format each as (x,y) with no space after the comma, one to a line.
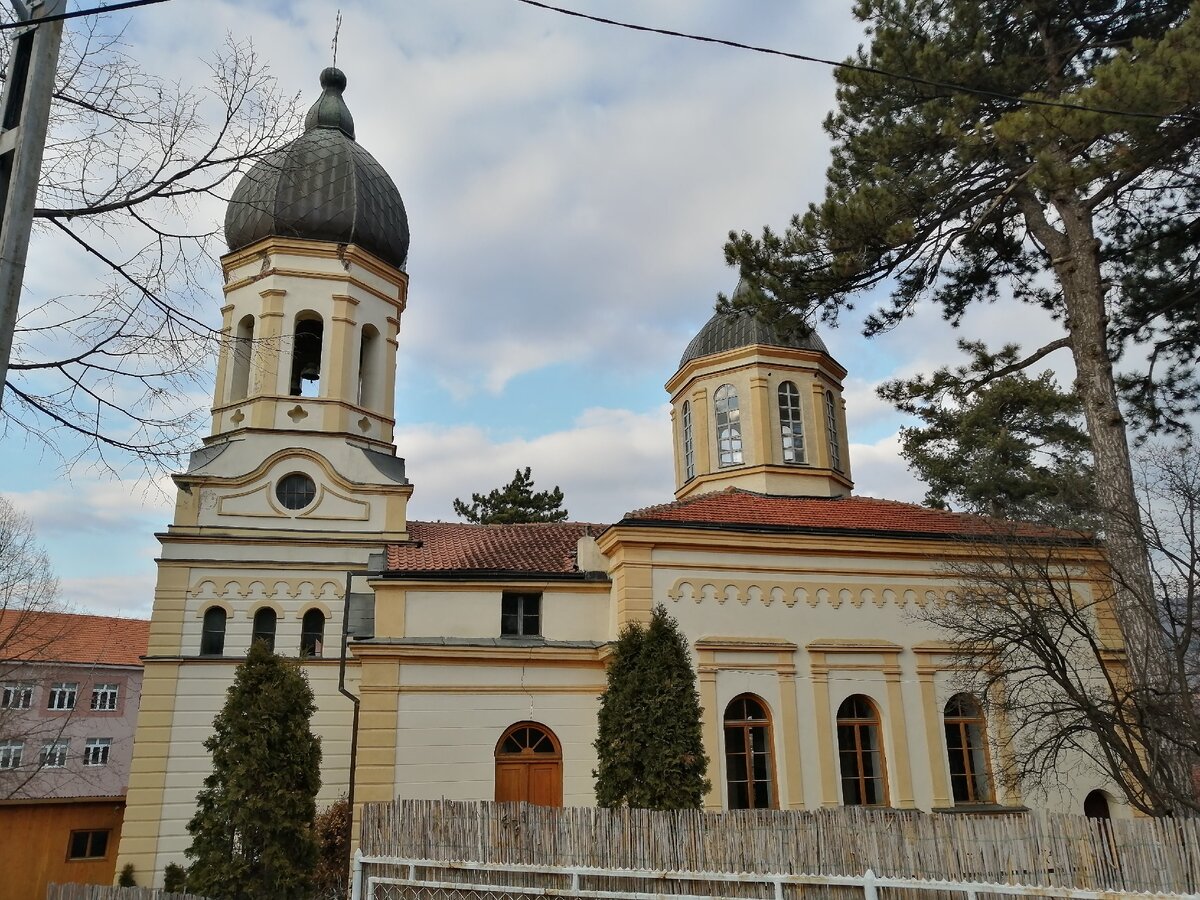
(135,174)
(1035,627)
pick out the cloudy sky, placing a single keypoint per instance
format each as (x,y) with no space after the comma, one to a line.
(569,188)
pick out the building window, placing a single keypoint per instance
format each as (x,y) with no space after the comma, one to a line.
(95,751)
(62,695)
(243,346)
(860,753)
(212,637)
(264,627)
(104,697)
(54,754)
(749,769)
(729,426)
(521,615)
(296,491)
(312,633)
(966,747)
(88,845)
(791,426)
(10,754)
(831,430)
(689,449)
(17,695)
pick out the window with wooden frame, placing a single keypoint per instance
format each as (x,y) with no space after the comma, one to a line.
(212,636)
(520,615)
(791,424)
(749,766)
(88,844)
(860,753)
(264,627)
(966,750)
(729,426)
(312,633)
(831,432)
(529,765)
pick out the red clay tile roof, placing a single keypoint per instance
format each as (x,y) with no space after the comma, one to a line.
(734,507)
(63,637)
(542,547)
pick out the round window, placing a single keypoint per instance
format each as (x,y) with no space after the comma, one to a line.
(296,491)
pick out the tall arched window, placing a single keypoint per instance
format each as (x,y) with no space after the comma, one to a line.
(243,346)
(831,430)
(306,355)
(368,368)
(791,428)
(312,633)
(966,747)
(264,627)
(860,752)
(529,765)
(212,634)
(689,450)
(749,769)
(729,426)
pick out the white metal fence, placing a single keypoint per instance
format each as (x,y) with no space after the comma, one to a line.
(395,878)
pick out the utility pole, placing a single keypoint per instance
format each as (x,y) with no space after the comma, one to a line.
(24,119)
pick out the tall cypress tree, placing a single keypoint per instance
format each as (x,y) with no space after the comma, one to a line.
(650,750)
(252,834)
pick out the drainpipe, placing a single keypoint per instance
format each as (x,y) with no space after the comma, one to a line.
(345,693)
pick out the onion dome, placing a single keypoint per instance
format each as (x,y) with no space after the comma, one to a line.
(323,186)
(744,328)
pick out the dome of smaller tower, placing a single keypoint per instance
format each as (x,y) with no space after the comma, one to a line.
(729,331)
(322,186)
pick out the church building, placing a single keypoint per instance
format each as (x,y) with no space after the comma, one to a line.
(475,654)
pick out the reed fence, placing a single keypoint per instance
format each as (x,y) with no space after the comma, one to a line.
(108,892)
(1156,855)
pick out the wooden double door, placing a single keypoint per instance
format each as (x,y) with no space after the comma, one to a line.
(529,765)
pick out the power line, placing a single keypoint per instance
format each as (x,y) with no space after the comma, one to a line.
(872,70)
(79,13)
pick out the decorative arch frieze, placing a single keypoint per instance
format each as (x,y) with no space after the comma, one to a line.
(758,592)
(264,591)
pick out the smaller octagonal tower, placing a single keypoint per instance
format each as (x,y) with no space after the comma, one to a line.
(757,409)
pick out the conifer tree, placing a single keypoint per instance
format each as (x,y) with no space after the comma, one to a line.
(649,746)
(514,503)
(252,834)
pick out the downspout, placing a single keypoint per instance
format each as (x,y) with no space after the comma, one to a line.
(345,693)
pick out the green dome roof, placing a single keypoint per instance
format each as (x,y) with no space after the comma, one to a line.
(322,186)
(729,331)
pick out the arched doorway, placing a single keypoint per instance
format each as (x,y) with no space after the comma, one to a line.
(529,765)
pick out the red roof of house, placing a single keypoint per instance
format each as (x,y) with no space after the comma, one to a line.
(734,507)
(542,547)
(65,637)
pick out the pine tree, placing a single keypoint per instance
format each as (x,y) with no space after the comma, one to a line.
(514,503)
(252,834)
(649,746)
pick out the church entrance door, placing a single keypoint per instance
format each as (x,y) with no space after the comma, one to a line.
(529,765)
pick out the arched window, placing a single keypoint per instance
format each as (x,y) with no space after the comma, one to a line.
(243,345)
(860,753)
(368,368)
(264,627)
(729,426)
(831,429)
(312,633)
(966,747)
(749,769)
(306,355)
(689,450)
(1095,805)
(212,634)
(791,428)
(529,765)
